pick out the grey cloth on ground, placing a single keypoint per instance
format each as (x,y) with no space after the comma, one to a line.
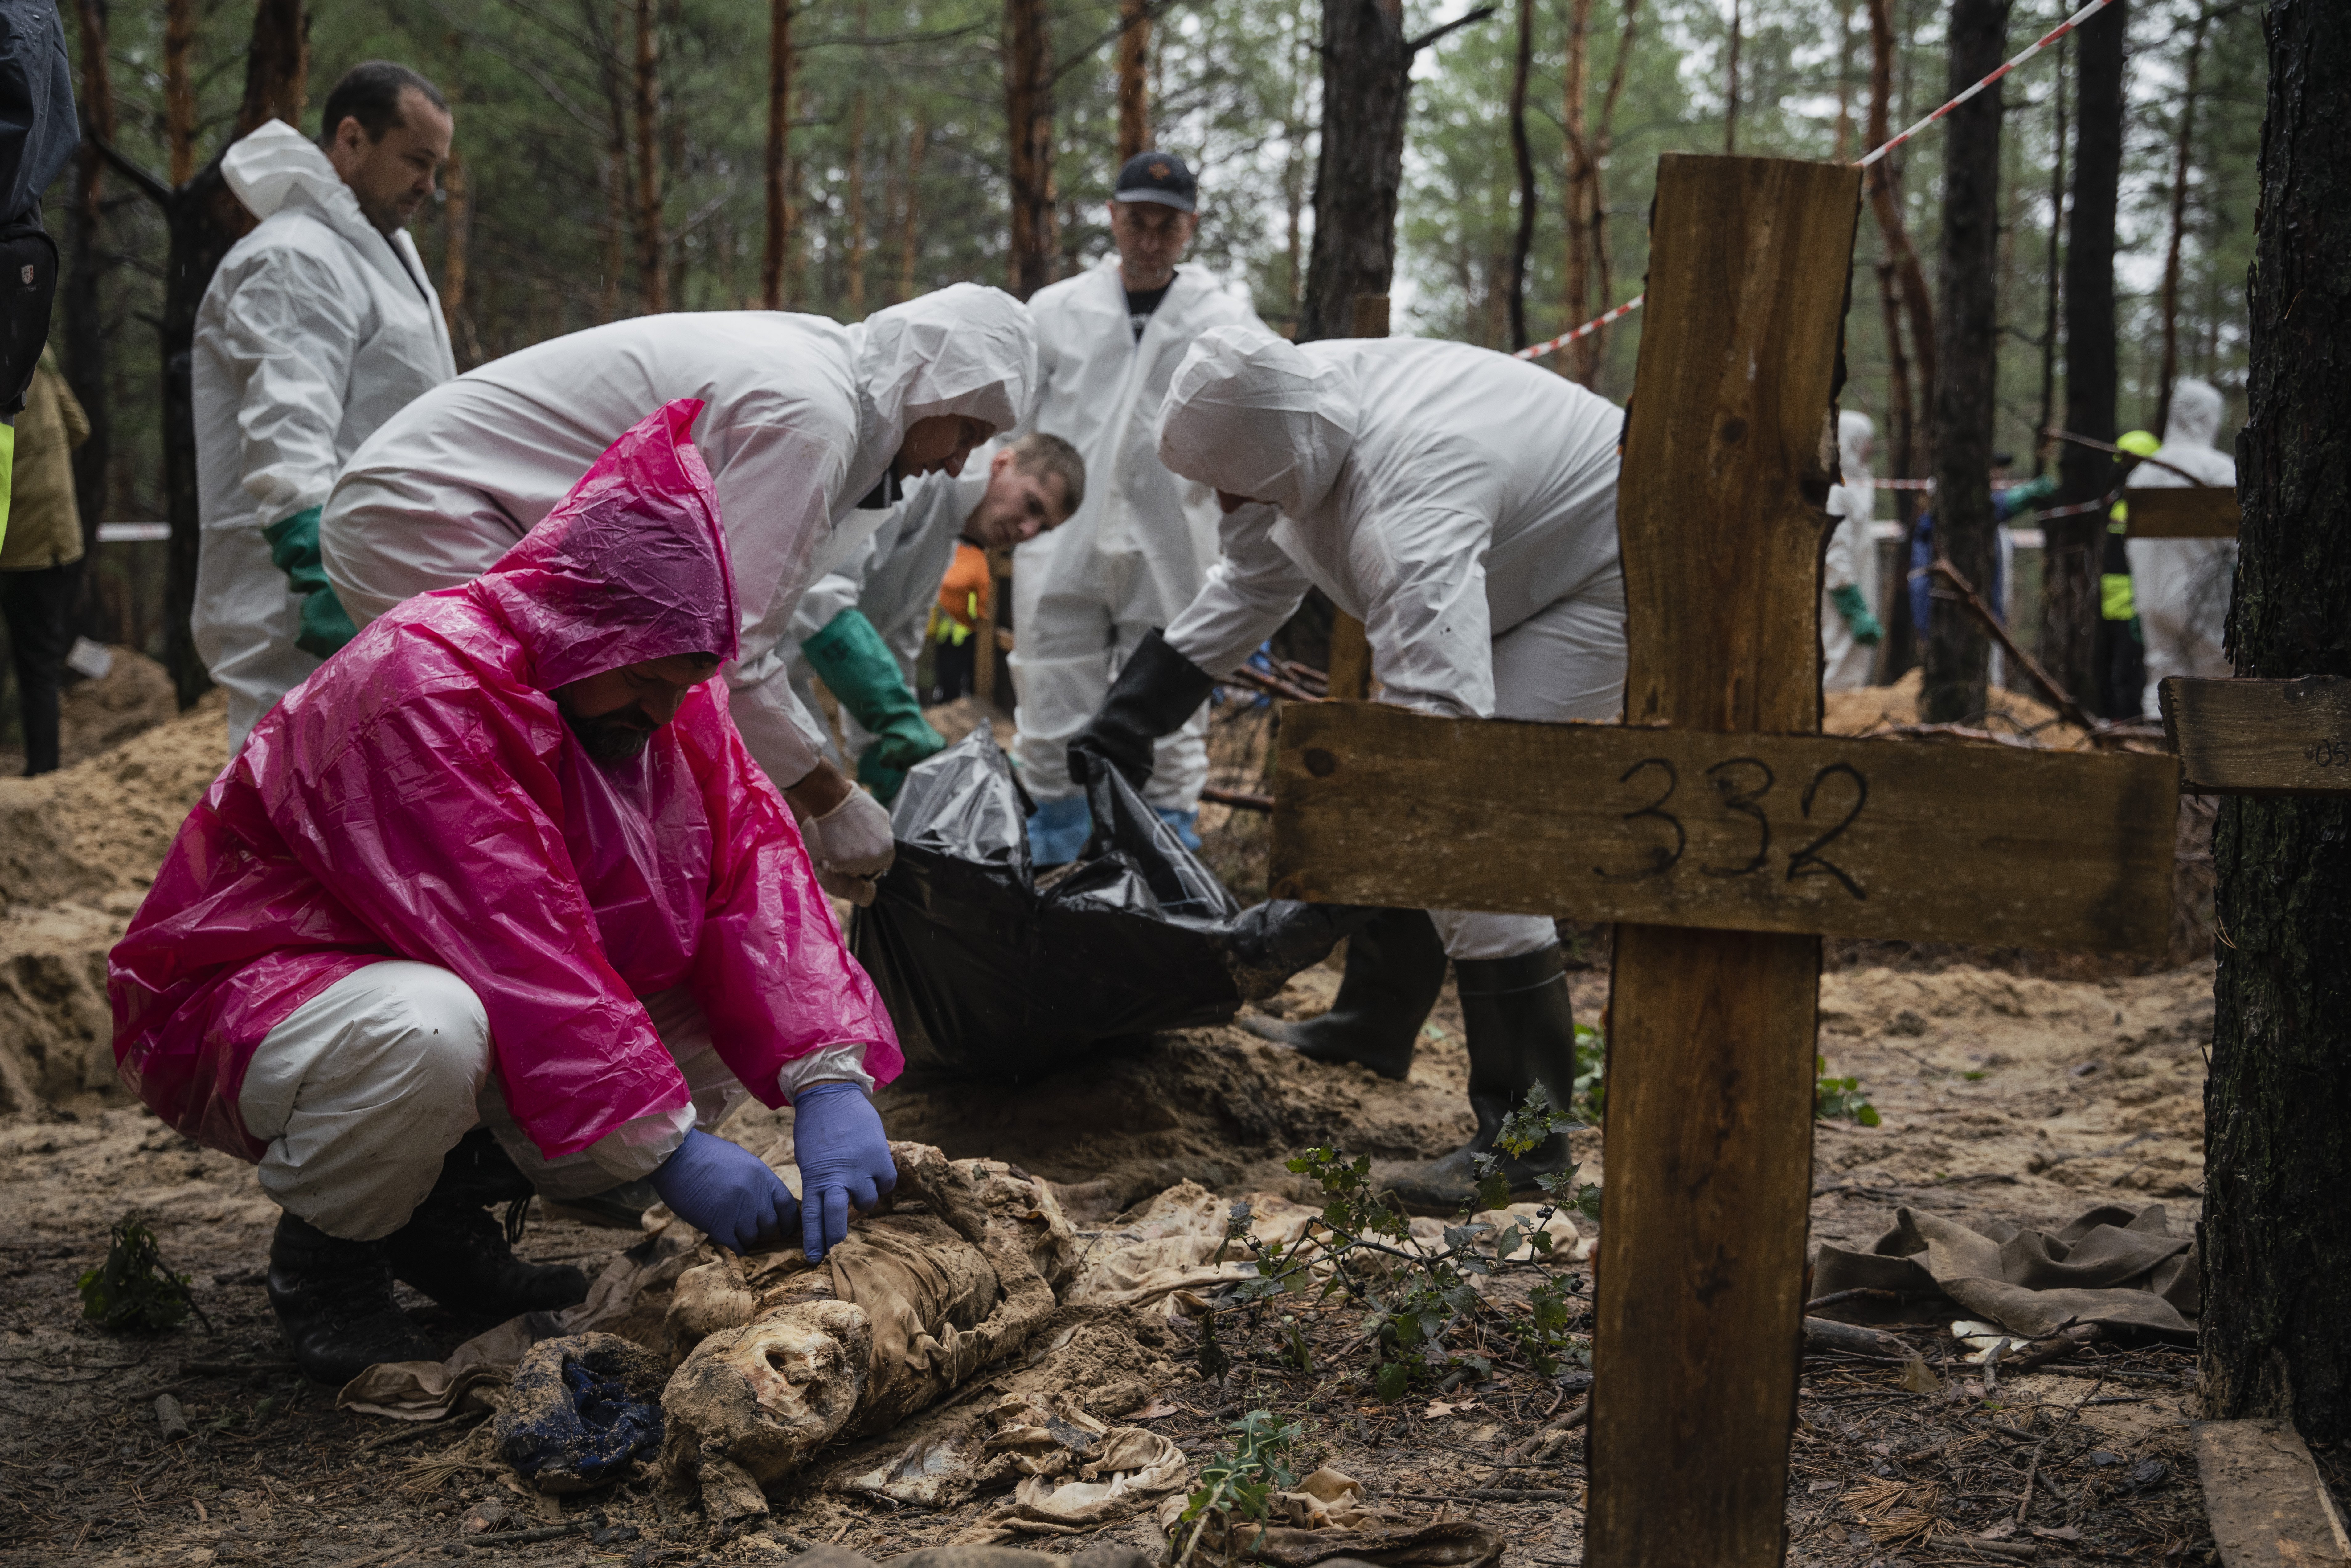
(2111,1266)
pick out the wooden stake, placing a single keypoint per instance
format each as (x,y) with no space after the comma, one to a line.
(1710,1049)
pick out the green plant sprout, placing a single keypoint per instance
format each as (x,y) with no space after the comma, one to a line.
(1416,1299)
(1241,1483)
(1835,1097)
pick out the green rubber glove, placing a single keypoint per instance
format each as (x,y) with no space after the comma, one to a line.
(858,669)
(294,549)
(1857,619)
(2029,495)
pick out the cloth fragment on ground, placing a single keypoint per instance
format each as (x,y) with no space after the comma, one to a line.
(428,1390)
(1071,1472)
(581,1410)
(2119,1268)
(1327,1515)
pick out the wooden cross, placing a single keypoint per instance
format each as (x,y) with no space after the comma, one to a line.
(1726,835)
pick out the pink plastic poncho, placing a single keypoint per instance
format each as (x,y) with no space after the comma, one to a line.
(421,796)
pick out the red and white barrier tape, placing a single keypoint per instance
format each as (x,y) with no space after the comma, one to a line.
(1538,350)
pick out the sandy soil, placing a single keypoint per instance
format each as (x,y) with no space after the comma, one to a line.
(2002,1096)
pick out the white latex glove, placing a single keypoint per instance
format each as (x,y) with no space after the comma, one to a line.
(852,845)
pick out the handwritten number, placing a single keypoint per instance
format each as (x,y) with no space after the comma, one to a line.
(1807,862)
(1660,859)
(1743,802)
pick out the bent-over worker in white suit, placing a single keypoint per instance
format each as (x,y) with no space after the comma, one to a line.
(1463,505)
(318,326)
(1140,548)
(860,628)
(806,426)
(2181,586)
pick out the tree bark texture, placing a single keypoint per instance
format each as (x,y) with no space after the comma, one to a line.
(1575,271)
(1522,244)
(2072,641)
(1587,352)
(779,131)
(2182,163)
(1133,84)
(653,248)
(80,305)
(1365,88)
(1028,132)
(1901,649)
(2277,1233)
(1957,649)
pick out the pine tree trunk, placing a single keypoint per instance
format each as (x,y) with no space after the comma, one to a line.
(2277,1233)
(910,226)
(2051,293)
(1365,70)
(2182,160)
(1588,351)
(1133,87)
(1522,243)
(2073,638)
(457,213)
(779,130)
(1957,649)
(179,91)
(1028,132)
(1731,105)
(854,287)
(1575,273)
(652,248)
(81,308)
(1908,307)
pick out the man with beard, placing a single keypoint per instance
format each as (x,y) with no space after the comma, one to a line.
(498,901)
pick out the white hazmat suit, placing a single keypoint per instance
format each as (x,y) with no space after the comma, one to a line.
(2181,586)
(1461,503)
(316,328)
(1851,560)
(1139,548)
(801,422)
(892,579)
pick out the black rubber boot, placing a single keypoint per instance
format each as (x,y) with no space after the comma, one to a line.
(1396,967)
(620,1208)
(454,1252)
(1520,1028)
(1156,690)
(333,1300)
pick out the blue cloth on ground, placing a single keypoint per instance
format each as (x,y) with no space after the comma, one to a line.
(1058,829)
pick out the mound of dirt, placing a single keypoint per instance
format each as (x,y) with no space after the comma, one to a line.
(1870,709)
(78,850)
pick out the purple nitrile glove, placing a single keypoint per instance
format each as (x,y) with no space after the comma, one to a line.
(844,1161)
(727,1192)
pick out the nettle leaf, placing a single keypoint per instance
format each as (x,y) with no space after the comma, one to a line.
(1493,1192)
(1392,1379)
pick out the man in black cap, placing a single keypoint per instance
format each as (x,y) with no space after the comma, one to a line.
(1139,548)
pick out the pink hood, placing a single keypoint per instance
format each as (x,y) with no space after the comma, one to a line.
(420,797)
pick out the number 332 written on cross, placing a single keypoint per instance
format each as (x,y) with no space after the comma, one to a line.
(1740,784)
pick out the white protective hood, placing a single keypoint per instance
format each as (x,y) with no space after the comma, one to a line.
(1250,415)
(277,162)
(1856,432)
(963,350)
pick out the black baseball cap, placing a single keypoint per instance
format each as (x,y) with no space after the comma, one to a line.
(1157,177)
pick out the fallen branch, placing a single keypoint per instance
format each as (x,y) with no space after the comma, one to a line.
(1238,800)
(2065,1344)
(2058,698)
(1493,1494)
(1827,1333)
(524,1537)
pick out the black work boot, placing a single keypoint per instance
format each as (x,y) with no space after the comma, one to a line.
(1520,1028)
(454,1252)
(1395,966)
(333,1300)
